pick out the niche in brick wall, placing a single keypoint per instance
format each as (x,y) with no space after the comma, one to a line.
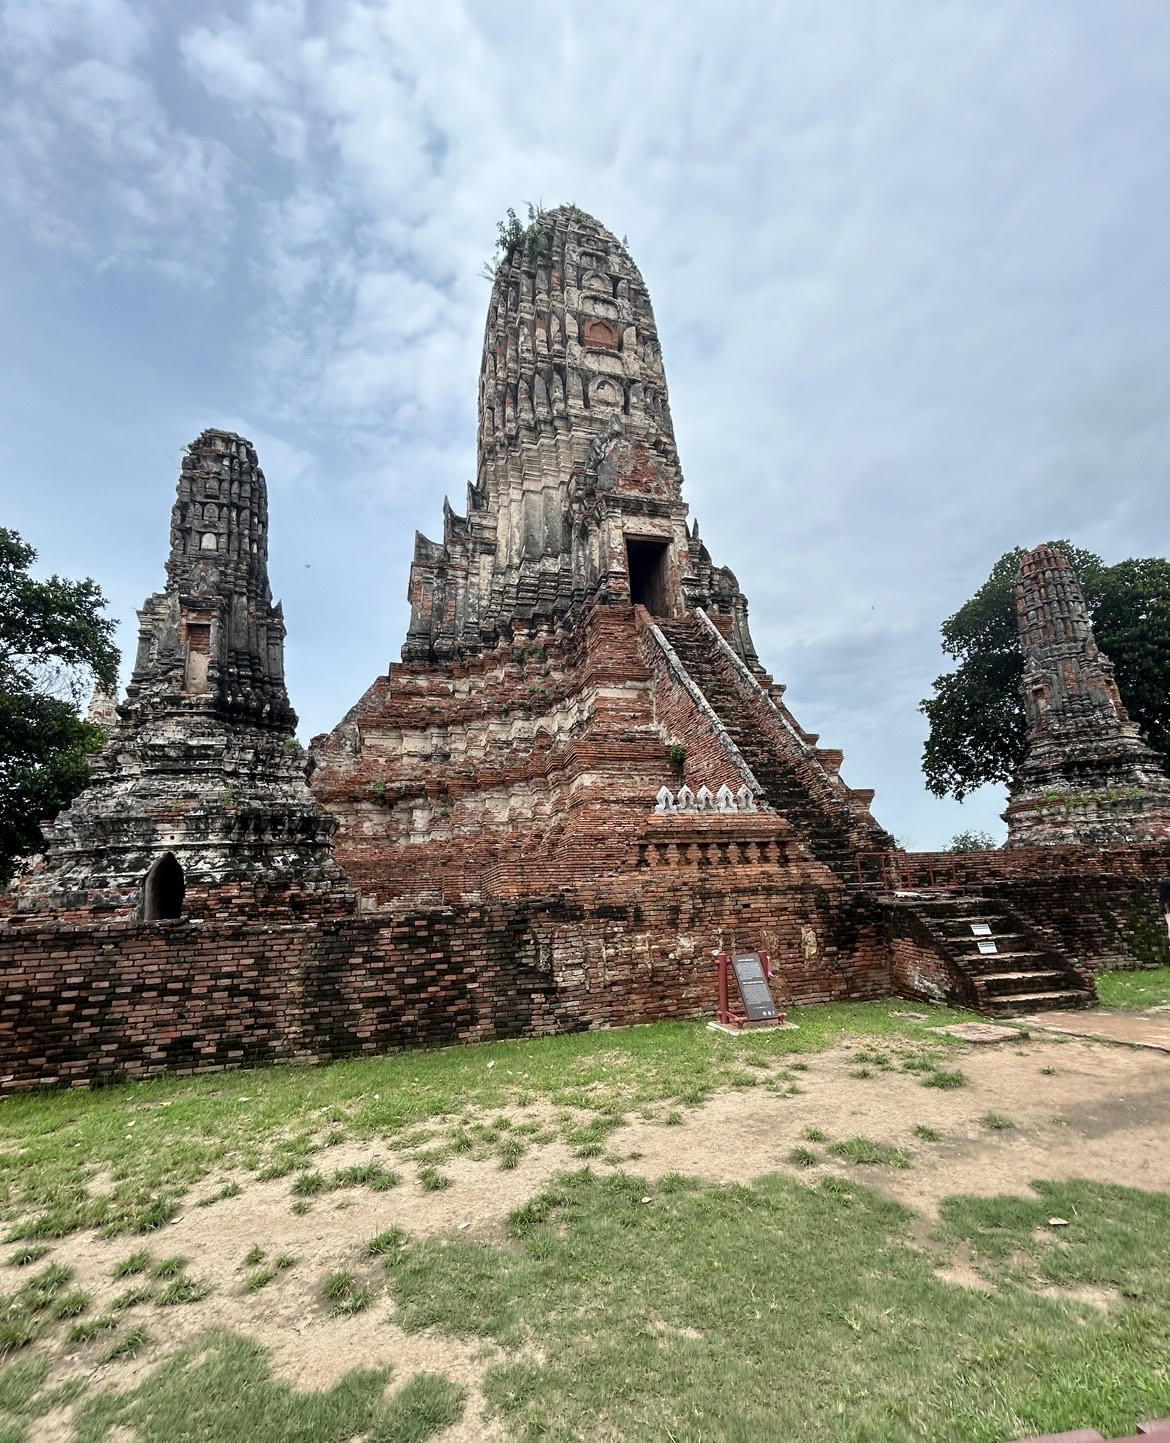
(162,895)
(198,656)
(601,336)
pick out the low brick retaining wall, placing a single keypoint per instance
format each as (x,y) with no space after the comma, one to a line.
(91,1002)
(88,1004)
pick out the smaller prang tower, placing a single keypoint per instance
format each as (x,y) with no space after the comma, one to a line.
(197,804)
(1088,778)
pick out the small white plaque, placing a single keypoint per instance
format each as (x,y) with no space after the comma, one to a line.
(981,929)
(987,946)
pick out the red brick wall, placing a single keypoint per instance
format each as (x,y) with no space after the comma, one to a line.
(708,761)
(85,1004)
(918,969)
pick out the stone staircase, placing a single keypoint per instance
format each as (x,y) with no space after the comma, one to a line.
(1023,975)
(785,763)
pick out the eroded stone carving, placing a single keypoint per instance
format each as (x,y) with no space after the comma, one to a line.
(571,643)
(559,486)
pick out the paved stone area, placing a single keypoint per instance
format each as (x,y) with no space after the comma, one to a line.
(983,1033)
(1136,1029)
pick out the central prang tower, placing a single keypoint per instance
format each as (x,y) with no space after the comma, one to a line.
(574,659)
(578,489)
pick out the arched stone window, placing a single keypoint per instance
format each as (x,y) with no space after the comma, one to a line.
(601,335)
(209,542)
(162,894)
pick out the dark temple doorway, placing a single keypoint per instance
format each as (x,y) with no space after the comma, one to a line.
(163,895)
(649,563)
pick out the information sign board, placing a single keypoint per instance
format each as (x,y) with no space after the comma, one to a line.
(987,946)
(753,987)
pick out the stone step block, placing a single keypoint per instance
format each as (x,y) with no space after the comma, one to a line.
(1049,1001)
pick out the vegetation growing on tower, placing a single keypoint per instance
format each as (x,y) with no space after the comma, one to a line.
(533,241)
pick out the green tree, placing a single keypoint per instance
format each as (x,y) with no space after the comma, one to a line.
(54,644)
(972,841)
(977,726)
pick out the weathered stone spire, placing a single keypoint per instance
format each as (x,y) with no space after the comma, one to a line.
(1088,777)
(578,489)
(214,633)
(198,804)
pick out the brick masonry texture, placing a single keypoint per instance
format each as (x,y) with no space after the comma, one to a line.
(88,1004)
(575,459)
(198,799)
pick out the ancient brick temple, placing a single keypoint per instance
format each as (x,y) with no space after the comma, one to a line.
(579,696)
(1088,777)
(197,803)
(576,788)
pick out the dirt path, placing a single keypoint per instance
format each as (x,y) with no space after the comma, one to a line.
(1078,1108)
(1100,1113)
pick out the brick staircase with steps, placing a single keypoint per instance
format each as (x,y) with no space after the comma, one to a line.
(795,782)
(1024,974)
(799,781)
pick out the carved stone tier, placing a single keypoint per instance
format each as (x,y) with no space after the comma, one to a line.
(197,804)
(1088,777)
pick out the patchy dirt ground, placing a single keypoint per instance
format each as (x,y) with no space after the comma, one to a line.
(1077,1109)
(1101,1114)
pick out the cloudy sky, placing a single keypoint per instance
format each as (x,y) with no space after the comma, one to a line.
(908,260)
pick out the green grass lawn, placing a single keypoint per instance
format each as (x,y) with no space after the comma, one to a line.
(685,1311)
(220,1391)
(672,1310)
(150,1143)
(1134,991)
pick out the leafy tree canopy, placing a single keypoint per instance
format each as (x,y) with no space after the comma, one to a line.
(977,726)
(54,643)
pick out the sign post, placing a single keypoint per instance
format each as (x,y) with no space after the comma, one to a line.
(750,971)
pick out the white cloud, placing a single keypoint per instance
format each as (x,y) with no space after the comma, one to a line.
(907,264)
(91,161)
(113,30)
